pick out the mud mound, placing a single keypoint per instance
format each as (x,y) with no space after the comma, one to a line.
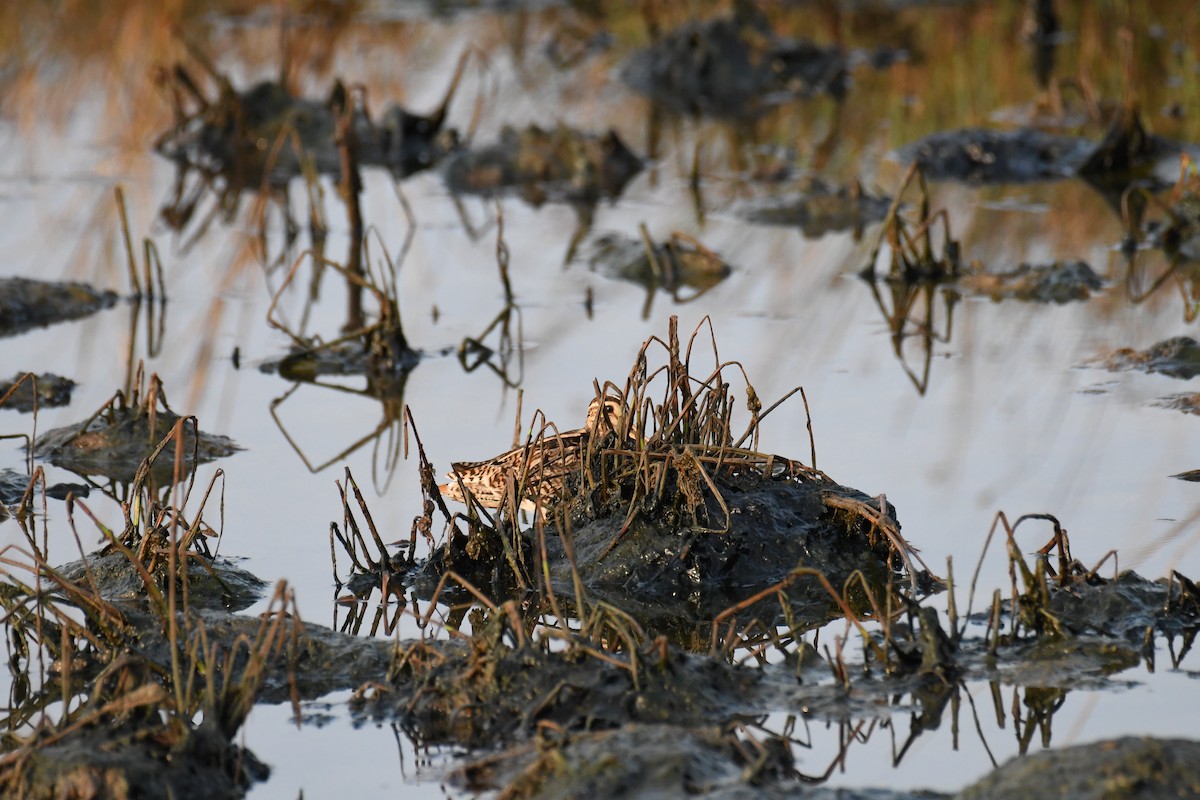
(1128,768)
(26,304)
(114,445)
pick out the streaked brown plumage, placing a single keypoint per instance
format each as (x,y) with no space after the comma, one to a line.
(543,464)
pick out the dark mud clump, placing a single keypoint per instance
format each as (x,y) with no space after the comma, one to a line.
(1126,606)
(818,209)
(115,441)
(738,533)
(26,304)
(1130,767)
(52,391)
(677,263)
(981,155)
(560,164)
(135,757)
(669,567)
(1178,357)
(14,485)
(1059,282)
(732,66)
(212,583)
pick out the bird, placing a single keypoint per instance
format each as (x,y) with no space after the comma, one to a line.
(542,464)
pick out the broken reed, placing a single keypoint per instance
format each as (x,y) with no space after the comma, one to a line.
(911,252)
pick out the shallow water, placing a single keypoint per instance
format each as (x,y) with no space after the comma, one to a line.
(1008,418)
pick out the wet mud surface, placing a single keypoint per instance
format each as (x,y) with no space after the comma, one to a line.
(138,759)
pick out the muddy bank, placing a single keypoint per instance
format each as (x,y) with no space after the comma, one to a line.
(215,584)
(492,693)
(750,536)
(1128,606)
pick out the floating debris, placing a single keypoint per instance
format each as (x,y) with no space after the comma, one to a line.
(52,391)
(1059,282)
(26,303)
(1178,357)
(817,209)
(561,164)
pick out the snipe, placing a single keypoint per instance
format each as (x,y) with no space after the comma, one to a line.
(541,466)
